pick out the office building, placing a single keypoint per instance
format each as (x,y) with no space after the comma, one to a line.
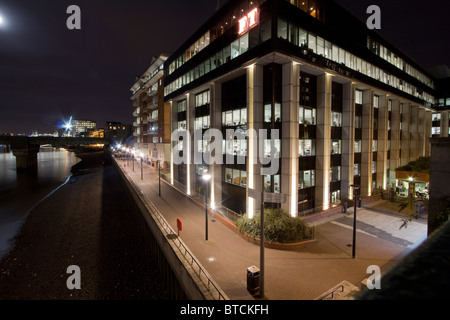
(340,104)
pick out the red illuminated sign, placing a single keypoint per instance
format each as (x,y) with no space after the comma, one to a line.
(249,21)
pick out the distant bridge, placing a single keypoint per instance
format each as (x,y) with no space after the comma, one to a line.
(25,149)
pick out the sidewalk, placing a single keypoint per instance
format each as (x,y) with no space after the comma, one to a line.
(301,274)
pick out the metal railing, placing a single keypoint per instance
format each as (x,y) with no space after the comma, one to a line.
(341,286)
(184,251)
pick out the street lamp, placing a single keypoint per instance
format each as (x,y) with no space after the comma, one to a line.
(206,177)
(355,196)
(159,183)
(142,172)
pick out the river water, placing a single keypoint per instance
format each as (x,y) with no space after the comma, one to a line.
(20,193)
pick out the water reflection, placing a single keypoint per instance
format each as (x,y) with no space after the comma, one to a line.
(19,192)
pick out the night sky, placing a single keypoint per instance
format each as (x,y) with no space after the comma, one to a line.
(49,73)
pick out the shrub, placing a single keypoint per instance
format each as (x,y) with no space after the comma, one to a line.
(278,227)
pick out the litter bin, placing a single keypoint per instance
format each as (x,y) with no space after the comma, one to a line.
(253,274)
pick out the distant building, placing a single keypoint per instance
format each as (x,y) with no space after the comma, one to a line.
(82,127)
(116,131)
(100,133)
(151,116)
(441,116)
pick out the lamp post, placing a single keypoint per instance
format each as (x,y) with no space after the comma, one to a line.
(355,196)
(142,170)
(159,184)
(206,178)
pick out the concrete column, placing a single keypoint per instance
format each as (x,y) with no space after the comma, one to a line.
(254,123)
(414,133)
(173,127)
(348,140)
(444,123)
(26,158)
(405,109)
(323,141)
(192,145)
(216,123)
(289,134)
(429,125)
(382,161)
(366,148)
(421,132)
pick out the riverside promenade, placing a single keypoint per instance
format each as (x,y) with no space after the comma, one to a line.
(303,273)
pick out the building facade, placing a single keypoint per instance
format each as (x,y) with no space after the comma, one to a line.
(81,128)
(441,115)
(151,115)
(339,104)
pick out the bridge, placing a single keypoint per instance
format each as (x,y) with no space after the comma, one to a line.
(25,149)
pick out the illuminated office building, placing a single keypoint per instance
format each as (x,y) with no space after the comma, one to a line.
(349,106)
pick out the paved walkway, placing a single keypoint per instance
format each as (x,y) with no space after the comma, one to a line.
(301,274)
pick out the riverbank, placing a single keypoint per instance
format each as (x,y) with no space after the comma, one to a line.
(91,223)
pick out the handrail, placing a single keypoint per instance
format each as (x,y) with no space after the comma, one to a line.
(179,244)
(332,292)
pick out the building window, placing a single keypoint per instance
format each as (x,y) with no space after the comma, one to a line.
(306,148)
(358,97)
(436,130)
(374,166)
(268,113)
(357,146)
(374,145)
(237,117)
(376,102)
(307,116)
(358,122)
(336,119)
(268,148)
(357,169)
(202,123)
(202,99)
(181,105)
(336,147)
(282,30)
(236,177)
(182,125)
(335,197)
(335,174)
(235,147)
(306,179)
(270,185)
(436,117)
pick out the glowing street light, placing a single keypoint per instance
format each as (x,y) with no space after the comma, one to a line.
(206,177)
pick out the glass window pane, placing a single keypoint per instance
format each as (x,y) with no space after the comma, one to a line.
(243,181)
(236,117)
(277,112)
(276,183)
(268,113)
(243,44)
(282,29)
(302,37)
(243,116)
(312,42)
(235,49)
(228,175)
(236,177)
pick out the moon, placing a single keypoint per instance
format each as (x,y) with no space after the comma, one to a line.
(1,20)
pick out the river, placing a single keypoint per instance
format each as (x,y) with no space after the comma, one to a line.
(20,193)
